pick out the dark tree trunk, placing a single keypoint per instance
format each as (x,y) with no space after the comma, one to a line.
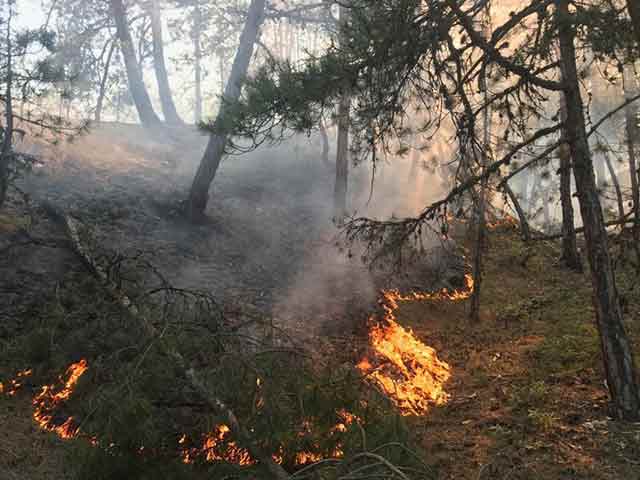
(342,153)
(164,89)
(199,194)
(481,205)
(616,351)
(342,162)
(634,12)
(7,141)
(197,54)
(103,82)
(137,87)
(569,256)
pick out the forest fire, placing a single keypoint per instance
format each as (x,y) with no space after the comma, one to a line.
(217,447)
(408,371)
(12,387)
(505,221)
(50,399)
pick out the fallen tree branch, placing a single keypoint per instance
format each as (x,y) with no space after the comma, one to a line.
(72,228)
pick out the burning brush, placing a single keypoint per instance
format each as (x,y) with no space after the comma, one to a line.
(409,372)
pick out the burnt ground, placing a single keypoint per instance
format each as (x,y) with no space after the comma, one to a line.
(269,244)
(269,241)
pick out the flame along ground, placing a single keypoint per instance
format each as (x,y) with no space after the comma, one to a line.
(216,445)
(408,371)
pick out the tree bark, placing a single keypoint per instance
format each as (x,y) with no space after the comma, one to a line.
(481,207)
(524,223)
(164,88)
(569,246)
(616,184)
(601,180)
(103,82)
(525,189)
(324,140)
(342,162)
(616,350)
(199,194)
(342,153)
(634,12)
(7,141)
(137,87)
(545,207)
(197,54)
(535,193)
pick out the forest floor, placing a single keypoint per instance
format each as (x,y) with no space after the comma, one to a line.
(527,398)
(527,393)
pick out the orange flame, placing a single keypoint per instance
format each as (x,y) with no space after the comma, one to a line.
(14,384)
(409,372)
(50,399)
(505,221)
(216,447)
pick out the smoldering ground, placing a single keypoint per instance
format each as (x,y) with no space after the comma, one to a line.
(269,243)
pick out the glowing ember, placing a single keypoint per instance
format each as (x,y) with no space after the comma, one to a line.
(51,398)
(216,447)
(13,385)
(505,221)
(409,371)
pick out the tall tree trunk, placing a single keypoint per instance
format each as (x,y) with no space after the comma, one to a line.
(631,119)
(534,193)
(616,351)
(221,63)
(601,178)
(569,256)
(137,87)
(7,141)
(525,189)
(164,89)
(342,152)
(616,184)
(324,140)
(199,194)
(197,53)
(524,223)
(545,207)
(103,82)
(342,161)
(634,12)
(481,206)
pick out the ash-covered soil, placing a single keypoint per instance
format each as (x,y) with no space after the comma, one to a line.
(269,244)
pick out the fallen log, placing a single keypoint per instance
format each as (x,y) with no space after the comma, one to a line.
(72,229)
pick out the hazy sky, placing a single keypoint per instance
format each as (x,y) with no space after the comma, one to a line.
(30,13)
